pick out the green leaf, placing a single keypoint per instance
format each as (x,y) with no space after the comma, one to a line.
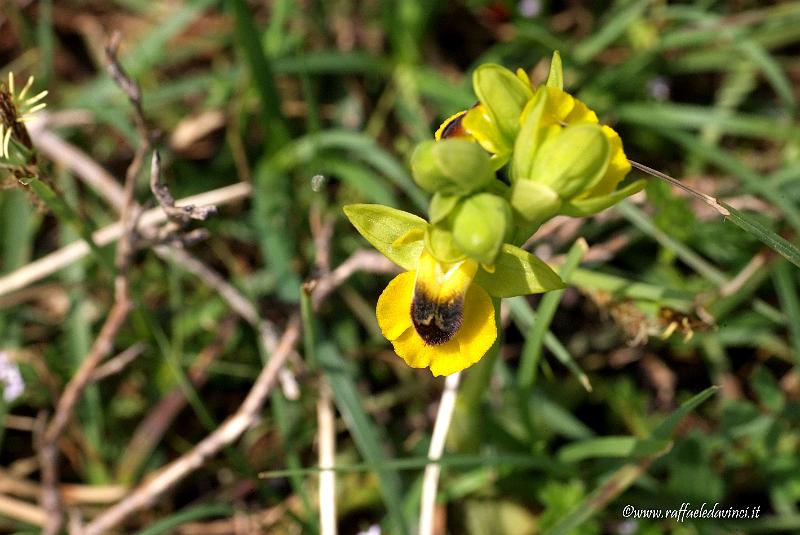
(517,272)
(592,205)
(670,423)
(383,226)
(168,523)
(556,76)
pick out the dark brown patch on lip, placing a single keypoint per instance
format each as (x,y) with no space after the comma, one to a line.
(454,128)
(436,323)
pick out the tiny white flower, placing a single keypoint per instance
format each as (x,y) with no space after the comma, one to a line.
(374,529)
(10,378)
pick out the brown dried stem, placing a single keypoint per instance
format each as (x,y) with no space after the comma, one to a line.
(231,429)
(180,215)
(104,344)
(361,260)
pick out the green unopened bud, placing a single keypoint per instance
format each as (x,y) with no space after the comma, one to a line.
(451,166)
(480,225)
(534,202)
(504,95)
(440,243)
(572,161)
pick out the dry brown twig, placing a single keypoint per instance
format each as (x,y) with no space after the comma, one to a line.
(104,344)
(228,432)
(119,362)
(180,215)
(361,260)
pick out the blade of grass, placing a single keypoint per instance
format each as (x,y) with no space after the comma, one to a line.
(608,446)
(686,254)
(694,117)
(538,461)
(621,287)
(772,240)
(65,213)
(272,192)
(276,134)
(189,514)
(785,278)
(532,349)
(615,25)
(366,435)
(626,475)
(365,148)
(79,339)
(525,317)
(752,180)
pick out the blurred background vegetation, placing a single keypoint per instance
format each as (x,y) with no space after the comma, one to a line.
(318,104)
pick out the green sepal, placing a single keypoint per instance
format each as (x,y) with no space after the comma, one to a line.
(503,94)
(480,226)
(440,243)
(441,205)
(534,202)
(556,76)
(388,229)
(573,161)
(483,128)
(530,136)
(592,205)
(451,166)
(517,272)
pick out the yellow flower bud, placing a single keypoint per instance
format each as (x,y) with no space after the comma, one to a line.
(572,161)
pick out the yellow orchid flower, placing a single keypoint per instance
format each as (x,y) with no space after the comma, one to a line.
(437,317)
(439,314)
(561,108)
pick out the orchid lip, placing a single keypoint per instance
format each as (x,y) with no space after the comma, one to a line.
(436,322)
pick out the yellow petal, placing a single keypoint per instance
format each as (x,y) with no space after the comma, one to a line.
(446,358)
(394,305)
(581,113)
(443,285)
(618,166)
(559,105)
(481,127)
(412,349)
(443,282)
(476,335)
(564,108)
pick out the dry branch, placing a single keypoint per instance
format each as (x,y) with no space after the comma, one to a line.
(361,260)
(231,429)
(69,254)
